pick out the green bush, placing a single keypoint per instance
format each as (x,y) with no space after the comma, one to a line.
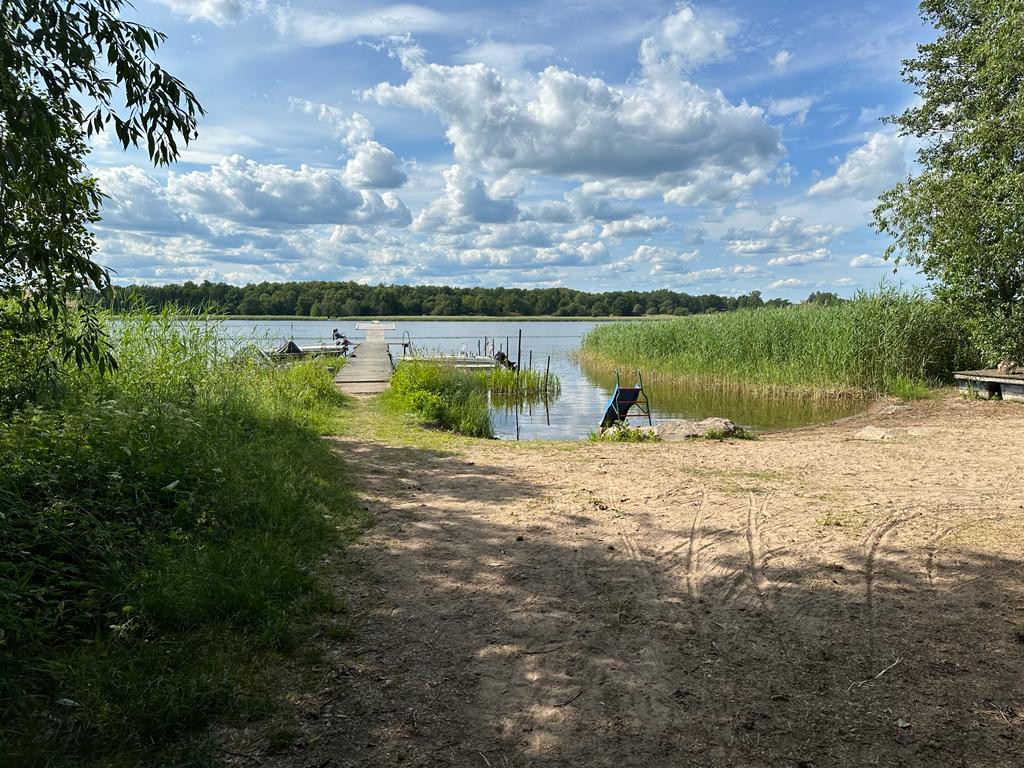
(157,532)
(882,342)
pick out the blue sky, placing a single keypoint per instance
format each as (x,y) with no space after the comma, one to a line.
(715,147)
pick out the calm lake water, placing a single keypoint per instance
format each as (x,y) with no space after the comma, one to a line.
(578,410)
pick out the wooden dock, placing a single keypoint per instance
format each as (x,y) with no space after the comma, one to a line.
(369,371)
(990,383)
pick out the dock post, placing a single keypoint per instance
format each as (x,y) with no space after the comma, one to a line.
(530,366)
(547,367)
(519,359)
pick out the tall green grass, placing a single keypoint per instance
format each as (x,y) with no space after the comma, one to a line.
(441,395)
(158,530)
(524,383)
(887,342)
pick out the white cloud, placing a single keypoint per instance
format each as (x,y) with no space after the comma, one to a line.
(504,56)
(244,191)
(790,282)
(318,29)
(781,60)
(639,225)
(797,106)
(371,165)
(135,201)
(866,260)
(657,260)
(464,202)
(662,135)
(799,259)
(718,274)
(867,170)
(687,40)
(220,12)
(785,234)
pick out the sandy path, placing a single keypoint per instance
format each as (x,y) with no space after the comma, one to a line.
(712,604)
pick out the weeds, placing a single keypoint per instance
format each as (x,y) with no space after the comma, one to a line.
(159,526)
(623,433)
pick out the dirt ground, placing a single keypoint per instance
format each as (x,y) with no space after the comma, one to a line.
(808,599)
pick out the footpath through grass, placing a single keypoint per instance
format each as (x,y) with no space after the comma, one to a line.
(889,342)
(158,531)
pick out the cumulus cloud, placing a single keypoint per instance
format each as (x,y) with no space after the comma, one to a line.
(663,135)
(686,40)
(464,202)
(867,170)
(135,201)
(639,225)
(318,29)
(371,165)
(799,259)
(866,260)
(244,191)
(657,260)
(785,234)
(789,282)
(220,12)
(719,274)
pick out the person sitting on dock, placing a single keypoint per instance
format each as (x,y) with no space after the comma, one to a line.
(339,338)
(502,359)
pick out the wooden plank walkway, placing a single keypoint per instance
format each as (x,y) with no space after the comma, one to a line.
(369,372)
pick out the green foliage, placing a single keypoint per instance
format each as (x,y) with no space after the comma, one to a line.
(158,527)
(959,220)
(876,343)
(623,433)
(65,67)
(441,395)
(342,299)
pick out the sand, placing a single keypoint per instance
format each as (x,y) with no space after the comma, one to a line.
(822,597)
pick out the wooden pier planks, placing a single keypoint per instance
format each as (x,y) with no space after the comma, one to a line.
(369,372)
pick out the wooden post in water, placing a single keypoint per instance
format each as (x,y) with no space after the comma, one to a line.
(485,346)
(519,359)
(546,369)
(530,366)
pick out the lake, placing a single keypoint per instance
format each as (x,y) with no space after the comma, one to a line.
(578,410)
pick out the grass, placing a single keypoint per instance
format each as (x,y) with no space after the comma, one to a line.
(888,342)
(623,433)
(160,528)
(442,396)
(456,399)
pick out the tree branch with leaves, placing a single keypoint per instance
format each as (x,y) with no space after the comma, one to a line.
(70,69)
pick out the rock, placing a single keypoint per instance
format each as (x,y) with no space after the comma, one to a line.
(874,433)
(683,429)
(889,410)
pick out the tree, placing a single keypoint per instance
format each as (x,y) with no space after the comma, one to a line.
(961,219)
(826,298)
(69,70)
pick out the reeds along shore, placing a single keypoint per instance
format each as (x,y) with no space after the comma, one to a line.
(889,342)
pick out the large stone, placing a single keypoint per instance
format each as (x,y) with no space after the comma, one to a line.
(683,429)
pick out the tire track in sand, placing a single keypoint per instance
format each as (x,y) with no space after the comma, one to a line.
(874,539)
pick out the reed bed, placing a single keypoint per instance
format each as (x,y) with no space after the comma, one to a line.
(523,383)
(888,342)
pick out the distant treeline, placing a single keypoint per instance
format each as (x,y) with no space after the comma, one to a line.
(348,299)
